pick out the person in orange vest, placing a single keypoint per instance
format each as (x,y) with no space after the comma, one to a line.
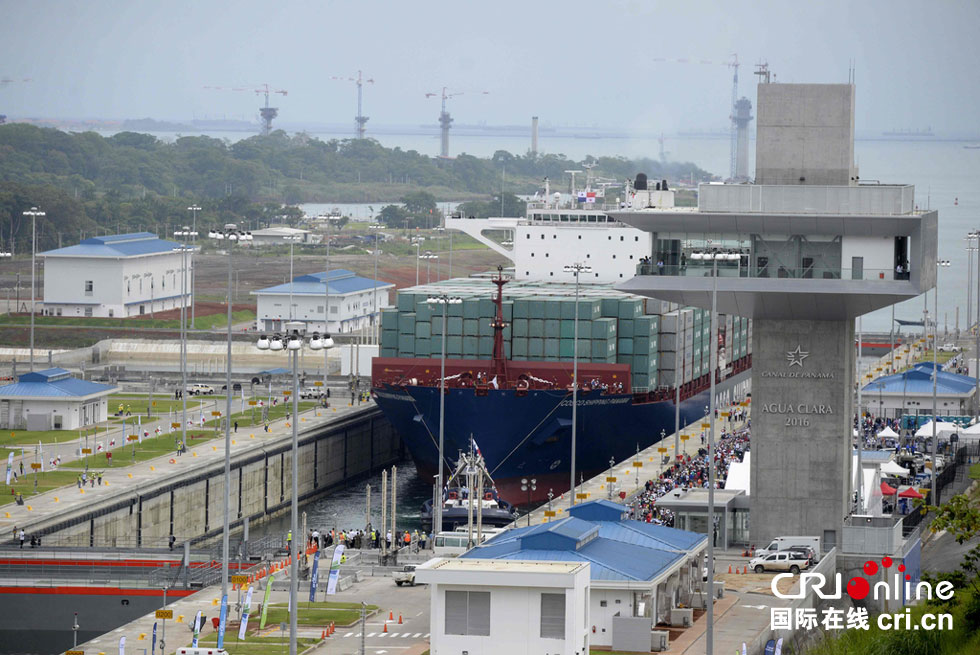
(407,539)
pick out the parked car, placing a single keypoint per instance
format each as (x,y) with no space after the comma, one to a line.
(405,576)
(783,561)
(779,544)
(200,390)
(949,348)
(308,393)
(235,386)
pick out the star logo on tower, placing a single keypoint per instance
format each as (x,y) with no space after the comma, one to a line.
(797,356)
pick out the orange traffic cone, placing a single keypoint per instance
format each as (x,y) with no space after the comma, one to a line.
(391,615)
(745,569)
(399,618)
(729,569)
(323,635)
(333,627)
(386,627)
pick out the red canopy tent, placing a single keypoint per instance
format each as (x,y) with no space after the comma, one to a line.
(910,493)
(887,489)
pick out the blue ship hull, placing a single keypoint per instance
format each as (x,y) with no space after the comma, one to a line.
(530,435)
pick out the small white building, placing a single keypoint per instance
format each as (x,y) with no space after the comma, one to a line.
(279,235)
(52,400)
(355,302)
(118,275)
(487,607)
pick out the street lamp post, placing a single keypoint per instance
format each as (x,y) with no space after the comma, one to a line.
(417,242)
(940,264)
(975,235)
(292,239)
(577,269)
(714,257)
(428,257)
(529,486)
(231,236)
(184,233)
(34,213)
(292,343)
(445,301)
(374,319)
(193,209)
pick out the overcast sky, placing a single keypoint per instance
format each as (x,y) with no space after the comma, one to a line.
(570,62)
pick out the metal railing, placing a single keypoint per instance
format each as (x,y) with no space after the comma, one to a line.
(773,270)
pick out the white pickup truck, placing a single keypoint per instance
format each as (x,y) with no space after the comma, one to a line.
(405,576)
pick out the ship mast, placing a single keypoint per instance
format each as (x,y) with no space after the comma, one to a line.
(498,367)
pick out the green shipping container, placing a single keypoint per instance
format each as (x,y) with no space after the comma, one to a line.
(535,328)
(626,328)
(456,310)
(646,325)
(389,352)
(389,339)
(483,326)
(423,348)
(536,308)
(589,310)
(454,326)
(551,348)
(603,348)
(521,308)
(630,308)
(454,346)
(552,309)
(436,327)
(471,327)
(552,329)
(389,319)
(406,323)
(406,302)
(519,346)
(568,310)
(609,307)
(423,330)
(406,345)
(487,308)
(535,348)
(625,346)
(604,328)
(508,307)
(424,312)
(519,327)
(471,346)
(471,308)
(486,346)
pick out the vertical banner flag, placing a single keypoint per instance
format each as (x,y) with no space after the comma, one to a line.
(122,645)
(153,643)
(10,466)
(221,621)
(315,576)
(334,570)
(265,601)
(40,451)
(197,629)
(246,609)
(779,646)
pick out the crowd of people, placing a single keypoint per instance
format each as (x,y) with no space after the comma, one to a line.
(687,473)
(369,538)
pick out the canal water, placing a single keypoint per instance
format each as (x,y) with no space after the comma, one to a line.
(346,509)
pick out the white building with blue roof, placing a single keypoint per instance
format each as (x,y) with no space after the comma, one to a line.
(910,392)
(637,569)
(52,400)
(118,275)
(355,302)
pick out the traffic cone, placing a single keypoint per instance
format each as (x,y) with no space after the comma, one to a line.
(729,569)
(391,615)
(386,627)
(323,635)
(399,618)
(745,569)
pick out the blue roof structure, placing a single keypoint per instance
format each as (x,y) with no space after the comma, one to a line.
(618,549)
(134,244)
(52,383)
(342,282)
(918,380)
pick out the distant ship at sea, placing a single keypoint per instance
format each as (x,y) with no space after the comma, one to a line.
(908,133)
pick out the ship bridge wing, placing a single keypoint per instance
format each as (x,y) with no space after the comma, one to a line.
(475,227)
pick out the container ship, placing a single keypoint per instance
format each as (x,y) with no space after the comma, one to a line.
(509,346)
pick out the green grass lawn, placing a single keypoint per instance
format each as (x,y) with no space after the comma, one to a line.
(975,471)
(163,404)
(254,416)
(258,645)
(45,482)
(320,613)
(29,439)
(208,322)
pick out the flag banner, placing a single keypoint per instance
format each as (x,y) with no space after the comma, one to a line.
(122,645)
(197,629)
(334,570)
(314,577)
(10,466)
(153,643)
(246,608)
(40,451)
(265,601)
(221,621)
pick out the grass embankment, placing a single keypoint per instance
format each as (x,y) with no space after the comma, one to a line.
(258,645)
(208,322)
(319,613)
(975,471)
(45,482)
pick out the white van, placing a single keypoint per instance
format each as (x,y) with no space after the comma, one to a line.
(785,543)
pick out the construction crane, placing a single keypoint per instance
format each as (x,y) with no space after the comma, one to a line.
(360,119)
(445,120)
(736,116)
(7,81)
(267,113)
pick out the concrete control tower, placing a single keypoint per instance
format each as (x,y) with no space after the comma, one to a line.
(743,114)
(815,249)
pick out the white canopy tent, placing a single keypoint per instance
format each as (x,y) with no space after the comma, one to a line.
(888,433)
(942,429)
(891,467)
